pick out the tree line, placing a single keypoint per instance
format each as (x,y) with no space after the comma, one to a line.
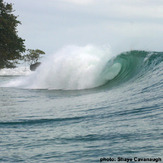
(12,47)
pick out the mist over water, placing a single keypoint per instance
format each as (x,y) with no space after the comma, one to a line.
(71,68)
(15,71)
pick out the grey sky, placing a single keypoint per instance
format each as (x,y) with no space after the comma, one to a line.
(123,24)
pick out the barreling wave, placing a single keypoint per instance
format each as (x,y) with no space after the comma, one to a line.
(133,64)
(75,68)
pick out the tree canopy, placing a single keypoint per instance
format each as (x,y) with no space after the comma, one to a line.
(33,56)
(11,45)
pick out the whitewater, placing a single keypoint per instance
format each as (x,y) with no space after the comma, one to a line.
(72,68)
(84,104)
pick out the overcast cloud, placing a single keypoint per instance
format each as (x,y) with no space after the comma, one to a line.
(123,24)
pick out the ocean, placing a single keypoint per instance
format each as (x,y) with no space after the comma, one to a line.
(82,105)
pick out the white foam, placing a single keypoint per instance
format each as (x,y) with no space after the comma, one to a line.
(71,68)
(15,71)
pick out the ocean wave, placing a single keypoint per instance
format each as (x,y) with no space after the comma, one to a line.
(76,68)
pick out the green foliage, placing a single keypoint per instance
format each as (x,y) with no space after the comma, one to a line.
(33,56)
(11,45)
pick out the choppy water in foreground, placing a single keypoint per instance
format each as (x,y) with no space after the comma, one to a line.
(121,118)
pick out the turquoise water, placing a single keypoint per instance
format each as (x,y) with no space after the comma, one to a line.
(119,115)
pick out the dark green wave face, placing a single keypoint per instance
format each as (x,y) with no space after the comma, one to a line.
(130,65)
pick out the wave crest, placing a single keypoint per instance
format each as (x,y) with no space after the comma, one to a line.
(74,68)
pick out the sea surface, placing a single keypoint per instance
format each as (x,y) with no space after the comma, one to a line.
(84,108)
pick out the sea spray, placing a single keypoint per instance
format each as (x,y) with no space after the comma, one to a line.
(74,68)
(71,68)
